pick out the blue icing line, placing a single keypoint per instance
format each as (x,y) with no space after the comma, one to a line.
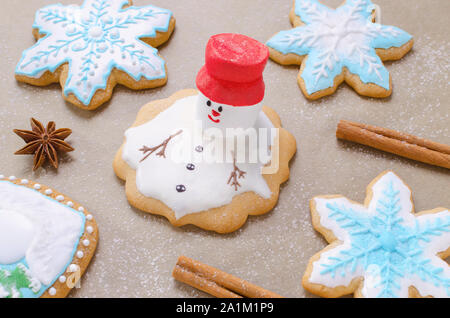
(383,240)
(309,3)
(100,5)
(381,42)
(281,42)
(365,62)
(27,292)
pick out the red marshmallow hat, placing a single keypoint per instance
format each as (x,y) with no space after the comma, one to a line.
(233,69)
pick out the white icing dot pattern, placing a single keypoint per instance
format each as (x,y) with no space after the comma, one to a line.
(52,291)
(72,268)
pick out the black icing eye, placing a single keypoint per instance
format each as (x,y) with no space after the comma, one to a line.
(180,188)
(199,148)
(190,166)
(220,109)
(208,103)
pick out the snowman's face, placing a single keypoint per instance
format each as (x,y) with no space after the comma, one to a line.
(215,114)
(224,116)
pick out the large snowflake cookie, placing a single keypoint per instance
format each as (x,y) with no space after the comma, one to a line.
(381,248)
(339,45)
(91,48)
(180,160)
(46,240)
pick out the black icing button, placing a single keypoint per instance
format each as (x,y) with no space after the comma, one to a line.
(181,188)
(190,166)
(199,148)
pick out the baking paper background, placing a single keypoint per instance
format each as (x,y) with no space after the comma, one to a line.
(137,251)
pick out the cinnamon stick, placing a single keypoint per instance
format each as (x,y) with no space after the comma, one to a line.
(216,282)
(402,144)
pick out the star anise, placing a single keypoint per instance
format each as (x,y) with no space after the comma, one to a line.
(44,142)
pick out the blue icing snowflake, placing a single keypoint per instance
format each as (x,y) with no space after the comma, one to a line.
(334,39)
(94,39)
(383,242)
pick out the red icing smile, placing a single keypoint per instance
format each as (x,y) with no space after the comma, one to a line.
(214,120)
(215,114)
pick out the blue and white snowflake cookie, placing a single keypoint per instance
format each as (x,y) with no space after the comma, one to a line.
(381,248)
(91,48)
(339,45)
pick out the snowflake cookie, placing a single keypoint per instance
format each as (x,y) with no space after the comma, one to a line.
(46,240)
(91,48)
(339,45)
(381,248)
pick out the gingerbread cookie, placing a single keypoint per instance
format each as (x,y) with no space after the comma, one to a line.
(91,48)
(172,169)
(46,240)
(381,248)
(339,45)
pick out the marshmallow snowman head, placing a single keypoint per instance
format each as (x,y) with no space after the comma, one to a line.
(230,83)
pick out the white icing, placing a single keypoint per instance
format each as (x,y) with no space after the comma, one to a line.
(80,254)
(16,235)
(56,230)
(89,229)
(24,181)
(37,186)
(59,198)
(86,242)
(62,279)
(35,284)
(3,292)
(48,191)
(206,186)
(52,291)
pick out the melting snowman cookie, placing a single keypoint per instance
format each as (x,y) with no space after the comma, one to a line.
(46,240)
(212,156)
